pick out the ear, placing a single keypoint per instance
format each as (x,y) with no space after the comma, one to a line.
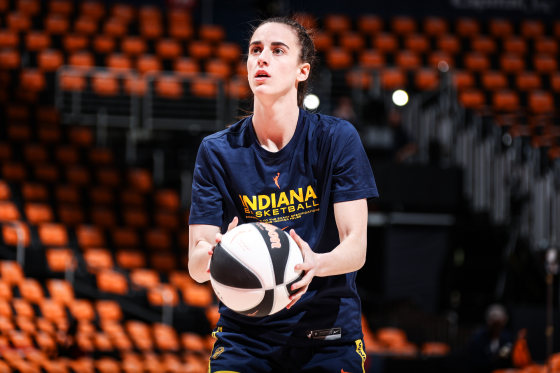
(304,70)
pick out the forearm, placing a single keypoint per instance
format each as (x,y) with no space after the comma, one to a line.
(202,239)
(198,261)
(348,256)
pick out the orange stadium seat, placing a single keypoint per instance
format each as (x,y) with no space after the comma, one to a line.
(98,259)
(515,45)
(403,25)
(337,23)
(545,64)
(229,52)
(185,66)
(204,87)
(541,102)
(546,45)
(72,81)
(144,277)
(75,42)
(472,99)
(108,310)
(528,81)
(500,27)
(8,211)
(323,41)
(94,9)
(385,42)
(125,237)
(50,60)
(9,59)
(512,63)
(217,68)
(338,58)
(168,48)
(167,199)
(31,290)
(393,78)
(63,7)
(18,21)
(531,28)
(434,26)
(124,12)
(71,214)
(369,24)
(417,43)
(105,84)
(476,61)
(163,294)
(467,27)
(168,87)
(60,291)
(426,79)
(37,213)
(104,217)
(165,337)
(483,44)
(59,259)
(133,45)
(371,59)
(494,80)
(448,43)
(85,25)
(57,24)
(112,282)
(130,259)
(52,234)
(104,44)
(211,33)
(11,272)
(408,60)
(351,41)
(37,40)
(118,61)
(505,100)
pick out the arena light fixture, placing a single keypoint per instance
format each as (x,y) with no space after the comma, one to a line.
(400,97)
(311,102)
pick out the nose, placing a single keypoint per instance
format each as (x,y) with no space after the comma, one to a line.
(262,59)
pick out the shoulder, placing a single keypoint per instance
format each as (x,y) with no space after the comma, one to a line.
(225,138)
(330,127)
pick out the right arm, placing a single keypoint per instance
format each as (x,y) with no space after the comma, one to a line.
(202,240)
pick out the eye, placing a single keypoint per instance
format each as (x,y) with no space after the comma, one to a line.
(278,51)
(255,50)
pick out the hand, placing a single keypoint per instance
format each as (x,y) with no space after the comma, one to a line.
(308,266)
(231,225)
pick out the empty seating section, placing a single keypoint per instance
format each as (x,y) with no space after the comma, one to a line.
(104,245)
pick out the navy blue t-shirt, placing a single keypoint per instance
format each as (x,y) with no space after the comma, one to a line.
(294,188)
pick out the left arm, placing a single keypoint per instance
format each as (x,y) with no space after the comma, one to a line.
(348,256)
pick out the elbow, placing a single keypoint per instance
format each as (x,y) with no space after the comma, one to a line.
(198,275)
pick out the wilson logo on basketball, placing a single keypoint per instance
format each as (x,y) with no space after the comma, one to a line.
(273,235)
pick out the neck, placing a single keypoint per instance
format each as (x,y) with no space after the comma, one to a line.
(274,124)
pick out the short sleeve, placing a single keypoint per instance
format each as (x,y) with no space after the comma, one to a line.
(206,198)
(352,174)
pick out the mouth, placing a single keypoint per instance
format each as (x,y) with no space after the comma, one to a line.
(261,74)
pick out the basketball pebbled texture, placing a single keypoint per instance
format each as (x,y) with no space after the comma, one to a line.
(252,269)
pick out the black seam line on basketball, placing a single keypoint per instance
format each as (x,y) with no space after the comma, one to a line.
(289,286)
(227,270)
(279,256)
(264,307)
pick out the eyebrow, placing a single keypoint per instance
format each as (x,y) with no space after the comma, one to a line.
(274,43)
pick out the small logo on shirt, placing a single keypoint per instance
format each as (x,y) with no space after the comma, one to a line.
(343,371)
(217,353)
(275,178)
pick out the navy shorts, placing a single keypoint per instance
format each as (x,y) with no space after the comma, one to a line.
(239,353)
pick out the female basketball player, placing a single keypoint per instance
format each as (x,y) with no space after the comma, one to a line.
(316,171)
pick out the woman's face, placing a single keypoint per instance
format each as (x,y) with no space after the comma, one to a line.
(273,64)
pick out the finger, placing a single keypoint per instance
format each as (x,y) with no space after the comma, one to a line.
(304,282)
(218,237)
(233,223)
(296,238)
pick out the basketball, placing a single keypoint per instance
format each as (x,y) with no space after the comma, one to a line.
(252,269)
